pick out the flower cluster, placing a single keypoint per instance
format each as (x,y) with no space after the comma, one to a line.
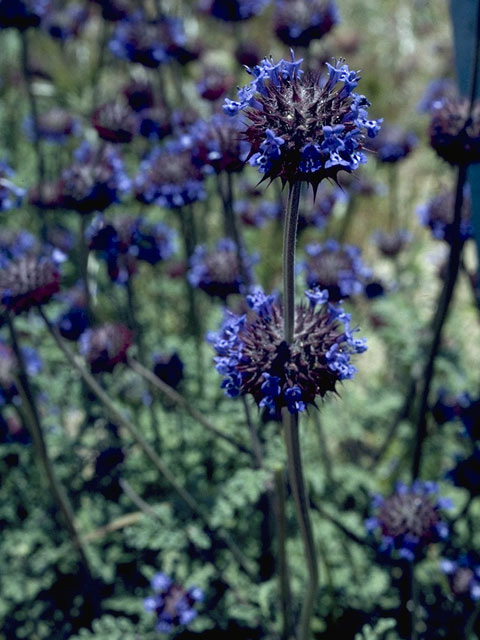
(28,281)
(303,127)
(105,346)
(233,10)
(453,134)
(216,145)
(150,43)
(393,144)
(254,358)
(22,14)
(463,576)
(298,22)
(337,268)
(94,181)
(124,241)
(410,519)
(115,122)
(169,178)
(55,125)
(171,603)
(10,195)
(438,215)
(391,243)
(218,272)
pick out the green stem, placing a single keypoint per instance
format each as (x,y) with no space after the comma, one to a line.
(439,321)
(297,484)
(282,564)
(170,478)
(289,241)
(33,420)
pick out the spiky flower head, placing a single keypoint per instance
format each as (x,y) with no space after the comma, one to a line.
(169,178)
(22,14)
(438,214)
(298,22)
(105,346)
(410,519)
(218,272)
(28,281)
(454,134)
(94,181)
(171,603)
(233,10)
(337,268)
(393,144)
(463,576)
(115,122)
(216,144)
(303,126)
(254,358)
(391,243)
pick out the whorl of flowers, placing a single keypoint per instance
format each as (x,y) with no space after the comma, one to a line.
(171,603)
(217,145)
(337,268)
(393,144)
(254,358)
(10,195)
(410,519)
(438,214)
(169,178)
(298,22)
(123,241)
(115,122)
(22,14)
(463,576)
(28,281)
(105,346)
(94,181)
(147,42)
(55,125)
(453,135)
(391,243)
(233,10)
(218,272)
(303,126)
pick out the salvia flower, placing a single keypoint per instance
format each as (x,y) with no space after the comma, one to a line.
(298,22)
(453,135)
(105,346)
(392,243)
(169,178)
(303,127)
(11,195)
(393,144)
(115,122)
(171,603)
(410,519)
(94,181)
(233,10)
(254,358)
(22,14)
(147,42)
(216,145)
(438,214)
(218,272)
(28,281)
(55,125)
(337,268)
(463,576)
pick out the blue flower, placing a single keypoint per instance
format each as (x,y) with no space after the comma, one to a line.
(171,603)
(11,195)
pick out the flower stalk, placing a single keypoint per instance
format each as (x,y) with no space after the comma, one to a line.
(290,420)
